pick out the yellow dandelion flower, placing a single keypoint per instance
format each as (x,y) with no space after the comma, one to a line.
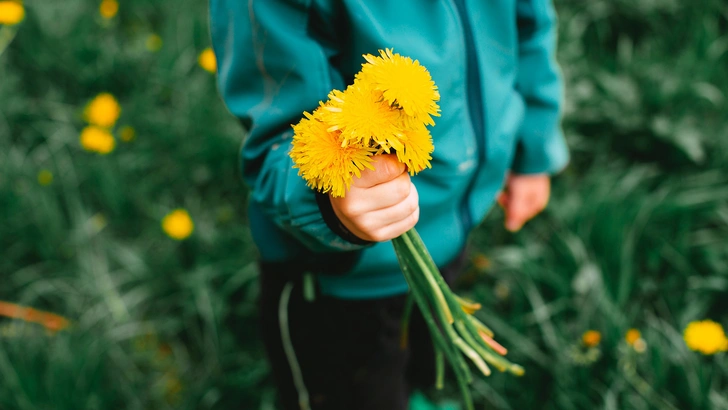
(154,43)
(207,60)
(11,13)
(404,83)
(127,133)
(363,118)
(45,177)
(97,139)
(632,336)
(706,337)
(178,224)
(416,149)
(591,338)
(108,8)
(322,160)
(103,111)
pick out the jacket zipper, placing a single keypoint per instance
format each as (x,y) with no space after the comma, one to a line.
(475,104)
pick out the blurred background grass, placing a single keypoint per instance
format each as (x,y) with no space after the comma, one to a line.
(636,235)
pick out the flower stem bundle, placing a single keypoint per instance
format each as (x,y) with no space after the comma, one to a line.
(455,331)
(387,110)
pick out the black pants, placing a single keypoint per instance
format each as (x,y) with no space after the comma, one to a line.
(348,351)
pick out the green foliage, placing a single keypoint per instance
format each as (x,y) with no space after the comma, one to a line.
(636,235)
(156,323)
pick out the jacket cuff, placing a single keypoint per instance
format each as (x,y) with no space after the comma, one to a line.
(333,222)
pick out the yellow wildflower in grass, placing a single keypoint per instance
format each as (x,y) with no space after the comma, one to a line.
(706,337)
(11,13)
(591,338)
(45,177)
(632,336)
(154,43)
(207,60)
(108,8)
(127,133)
(322,161)
(178,224)
(103,111)
(97,139)
(404,83)
(361,114)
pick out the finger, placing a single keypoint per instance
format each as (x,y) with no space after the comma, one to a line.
(360,201)
(523,210)
(518,211)
(396,229)
(515,223)
(393,214)
(386,168)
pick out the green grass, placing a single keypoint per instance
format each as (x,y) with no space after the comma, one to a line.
(636,235)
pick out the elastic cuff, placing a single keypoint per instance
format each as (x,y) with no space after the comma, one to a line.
(333,222)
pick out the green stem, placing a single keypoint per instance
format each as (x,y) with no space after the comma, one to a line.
(487,352)
(416,275)
(426,268)
(468,320)
(462,373)
(480,347)
(466,304)
(473,355)
(421,299)
(433,274)
(404,335)
(418,281)
(439,369)
(480,326)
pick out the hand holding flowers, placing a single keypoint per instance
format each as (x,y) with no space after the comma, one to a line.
(358,147)
(382,204)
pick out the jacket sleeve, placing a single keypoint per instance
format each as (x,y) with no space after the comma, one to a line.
(541,145)
(270,70)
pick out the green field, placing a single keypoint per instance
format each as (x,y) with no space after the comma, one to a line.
(635,236)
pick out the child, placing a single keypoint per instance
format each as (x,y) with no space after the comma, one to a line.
(493,62)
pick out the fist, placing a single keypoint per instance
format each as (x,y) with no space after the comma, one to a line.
(524,197)
(381,204)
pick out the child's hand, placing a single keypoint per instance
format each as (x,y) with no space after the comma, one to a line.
(524,197)
(381,204)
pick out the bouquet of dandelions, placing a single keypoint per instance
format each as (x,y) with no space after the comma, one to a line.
(388,109)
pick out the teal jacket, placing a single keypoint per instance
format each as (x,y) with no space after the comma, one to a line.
(493,62)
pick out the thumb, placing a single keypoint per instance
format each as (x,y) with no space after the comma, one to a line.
(386,168)
(502,200)
(513,224)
